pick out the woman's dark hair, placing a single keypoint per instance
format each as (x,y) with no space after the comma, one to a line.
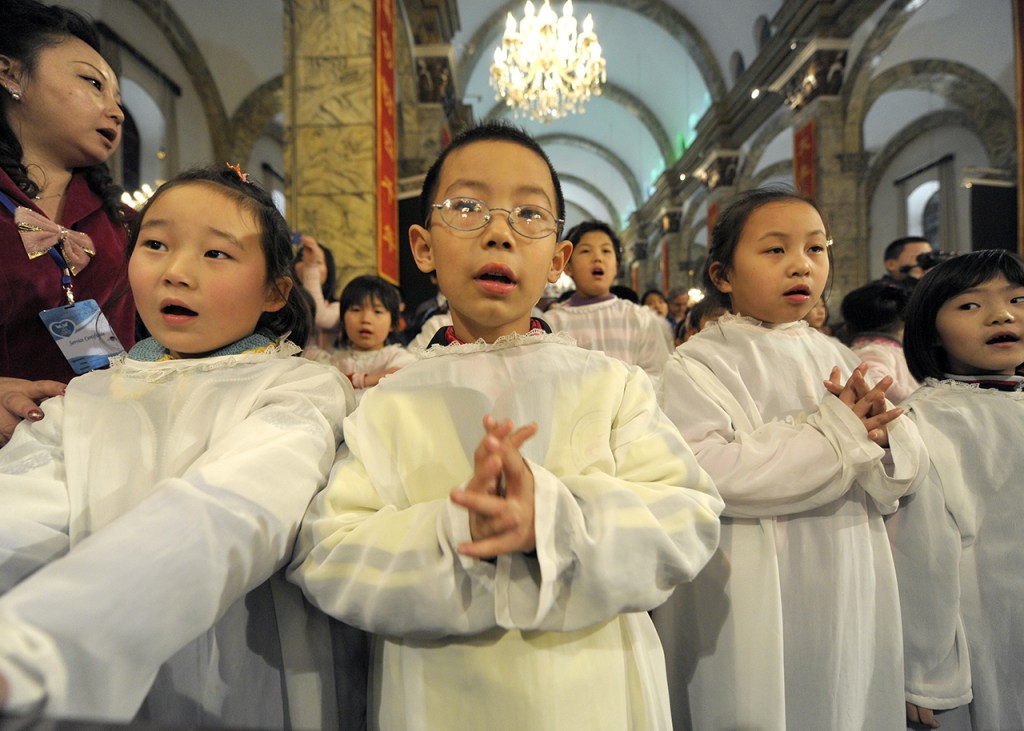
(366,289)
(28,28)
(577,232)
(925,354)
(295,318)
(497,131)
(729,227)
(876,307)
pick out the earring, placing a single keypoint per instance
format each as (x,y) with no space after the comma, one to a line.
(15,94)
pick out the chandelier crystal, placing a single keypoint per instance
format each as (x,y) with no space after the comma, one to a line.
(545,69)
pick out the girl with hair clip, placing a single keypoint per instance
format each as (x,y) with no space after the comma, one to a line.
(370,312)
(143,521)
(957,541)
(62,233)
(793,623)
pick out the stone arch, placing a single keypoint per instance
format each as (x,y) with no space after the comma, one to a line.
(174,29)
(616,221)
(780,121)
(859,72)
(619,95)
(898,142)
(602,152)
(782,167)
(253,116)
(984,103)
(658,12)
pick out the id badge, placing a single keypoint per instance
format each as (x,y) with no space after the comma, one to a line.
(83,335)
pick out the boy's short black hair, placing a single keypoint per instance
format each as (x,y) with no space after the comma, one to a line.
(925,355)
(875,307)
(367,288)
(494,131)
(580,229)
(894,249)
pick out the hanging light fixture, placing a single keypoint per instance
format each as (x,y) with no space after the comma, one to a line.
(545,69)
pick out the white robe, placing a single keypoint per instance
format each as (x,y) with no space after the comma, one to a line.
(350,361)
(559,640)
(793,623)
(958,547)
(141,522)
(620,328)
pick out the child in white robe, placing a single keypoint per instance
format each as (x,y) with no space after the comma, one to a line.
(597,319)
(369,313)
(792,624)
(957,541)
(142,522)
(511,505)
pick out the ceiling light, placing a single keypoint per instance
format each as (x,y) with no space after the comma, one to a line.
(544,69)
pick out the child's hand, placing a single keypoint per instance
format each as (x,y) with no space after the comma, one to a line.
(372,379)
(925,716)
(311,253)
(867,403)
(499,495)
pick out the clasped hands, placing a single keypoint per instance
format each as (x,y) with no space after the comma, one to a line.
(499,495)
(867,403)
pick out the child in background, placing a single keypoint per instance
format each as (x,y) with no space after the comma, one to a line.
(873,315)
(511,505)
(596,318)
(142,521)
(792,624)
(369,307)
(817,317)
(702,314)
(957,541)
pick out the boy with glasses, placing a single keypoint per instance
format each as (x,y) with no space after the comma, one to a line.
(509,507)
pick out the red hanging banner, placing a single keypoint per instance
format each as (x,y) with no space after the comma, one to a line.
(387,147)
(805,176)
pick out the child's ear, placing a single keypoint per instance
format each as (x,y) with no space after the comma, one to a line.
(277,294)
(560,260)
(422,251)
(718,276)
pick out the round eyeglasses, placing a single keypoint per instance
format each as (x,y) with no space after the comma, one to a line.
(472,214)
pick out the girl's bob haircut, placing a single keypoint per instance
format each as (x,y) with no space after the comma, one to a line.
(729,227)
(367,289)
(925,354)
(294,319)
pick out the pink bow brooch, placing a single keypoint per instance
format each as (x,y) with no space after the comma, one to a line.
(40,234)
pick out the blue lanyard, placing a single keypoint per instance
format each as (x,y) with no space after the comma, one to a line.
(54,252)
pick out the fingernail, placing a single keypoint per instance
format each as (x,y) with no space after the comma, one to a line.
(35,415)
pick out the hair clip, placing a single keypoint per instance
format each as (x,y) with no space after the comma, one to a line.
(244,177)
(829,242)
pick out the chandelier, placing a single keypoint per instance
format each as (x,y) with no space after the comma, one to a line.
(545,69)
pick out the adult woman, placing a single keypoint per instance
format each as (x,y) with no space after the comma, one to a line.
(60,121)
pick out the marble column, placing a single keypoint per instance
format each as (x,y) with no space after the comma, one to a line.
(840,194)
(329,118)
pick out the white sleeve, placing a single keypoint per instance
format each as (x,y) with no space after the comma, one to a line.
(611,539)
(927,551)
(33,496)
(85,635)
(654,348)
(777,468)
